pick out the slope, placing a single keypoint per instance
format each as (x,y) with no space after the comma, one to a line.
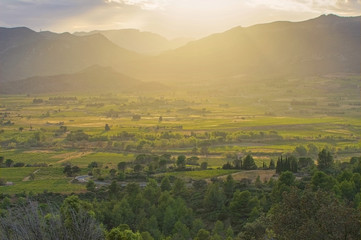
(137,41)
(25,53)
(95,79)
(325,45)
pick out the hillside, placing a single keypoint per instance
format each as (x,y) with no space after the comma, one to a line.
(137,41)
(28,53)
(94,79)
(327,44)
(321,46)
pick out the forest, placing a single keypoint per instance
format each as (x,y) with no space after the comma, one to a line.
(322,204)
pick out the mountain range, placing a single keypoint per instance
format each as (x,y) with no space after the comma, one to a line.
(94,79)
(140,42)
(325,45)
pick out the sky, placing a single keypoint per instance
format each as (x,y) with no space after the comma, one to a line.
(170,18)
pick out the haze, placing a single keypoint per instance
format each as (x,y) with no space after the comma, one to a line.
(171,18)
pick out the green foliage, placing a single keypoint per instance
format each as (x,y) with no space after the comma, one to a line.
(78,135)
(288,164)
(117,234)
(214,200)
(203,235)
(165,184)
(181,161)
(90,186)
(70,170)
(314,215)
(248,163)
(325,160)
(323,181)
(241,206)
(204,165)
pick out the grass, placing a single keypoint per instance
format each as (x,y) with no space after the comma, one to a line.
(31,157)
(46,179)
(106,159)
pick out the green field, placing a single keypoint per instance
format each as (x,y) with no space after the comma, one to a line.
(216,125)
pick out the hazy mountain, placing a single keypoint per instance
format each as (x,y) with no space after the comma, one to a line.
(92,79)
(327,44)
(324,45)
(25,53)
(137,41)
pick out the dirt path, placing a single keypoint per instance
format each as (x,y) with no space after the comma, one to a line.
(27,178)
(39,151)
(68,156)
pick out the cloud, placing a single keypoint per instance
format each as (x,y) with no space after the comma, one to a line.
(342,7)
(171,18)
(143,4)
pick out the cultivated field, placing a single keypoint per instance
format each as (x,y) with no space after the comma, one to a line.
(216,125)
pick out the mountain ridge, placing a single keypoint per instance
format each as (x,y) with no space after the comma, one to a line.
(327,44)
(92,79)
(138,41)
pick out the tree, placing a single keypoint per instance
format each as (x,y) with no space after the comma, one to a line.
(321,180)
(138,168)
(19,164)
(9,163)
(71,170)
(214,200)
(117,234)
(248,163)
(75,170)
(271,164)
(312,149)
(2,182)
(93,165)
(237,163)
(287,178)
(204,165)
(72,211)
(107,128)
(300,151)
(203,235)
(163,164)
(228,186)
(165,184)
(122,166)
(113,189)
(90,186)
(181,231)
(314,215)
(151,191)
(179,188)
(181,161)
(325,160)
(241,207)
(169,220)
(218,229)
(112,172)
(67,170)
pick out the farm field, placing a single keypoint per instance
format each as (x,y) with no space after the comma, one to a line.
(51,131)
